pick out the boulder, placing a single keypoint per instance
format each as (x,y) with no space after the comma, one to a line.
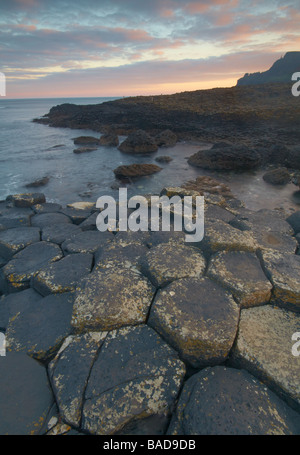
(168,262)
(280,176)
(109,140)
(198,318)
(64,275)
(138,142)
(226,157)
(25,395)
(86,140)
(136,170)
(26,199)
(241,273)
(39,182)
(264,348)
(108,299)
(226,401)
(41,327)
(166,138)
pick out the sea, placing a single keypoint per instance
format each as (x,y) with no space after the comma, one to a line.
(30,151)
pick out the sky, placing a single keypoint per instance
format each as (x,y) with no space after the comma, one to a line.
(91,48)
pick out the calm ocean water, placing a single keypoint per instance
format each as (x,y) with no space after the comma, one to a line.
(30,151)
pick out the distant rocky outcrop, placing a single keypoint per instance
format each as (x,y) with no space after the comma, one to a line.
(166,139)
(264,115)
(138,142)
(280,71)
(223,156)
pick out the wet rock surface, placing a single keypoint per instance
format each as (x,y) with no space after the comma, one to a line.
(25,395)
(136,170)
(144,309)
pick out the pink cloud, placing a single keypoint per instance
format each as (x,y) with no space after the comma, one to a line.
(27,28)
(133,34)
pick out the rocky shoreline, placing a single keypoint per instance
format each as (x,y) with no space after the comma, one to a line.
(143,333)
(259,116)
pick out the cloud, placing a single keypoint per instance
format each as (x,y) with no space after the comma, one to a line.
(48,42)
(145,77)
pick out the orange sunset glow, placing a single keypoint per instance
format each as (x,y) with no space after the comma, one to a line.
(121,48)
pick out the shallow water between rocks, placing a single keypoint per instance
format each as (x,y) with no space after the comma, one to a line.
(30,151)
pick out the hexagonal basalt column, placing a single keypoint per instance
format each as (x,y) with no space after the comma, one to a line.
(108,299)
(283,271)
(117,382)
(242,274)
(28,262)
(264,347)
(168,262)
(226,401)
(198,318)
